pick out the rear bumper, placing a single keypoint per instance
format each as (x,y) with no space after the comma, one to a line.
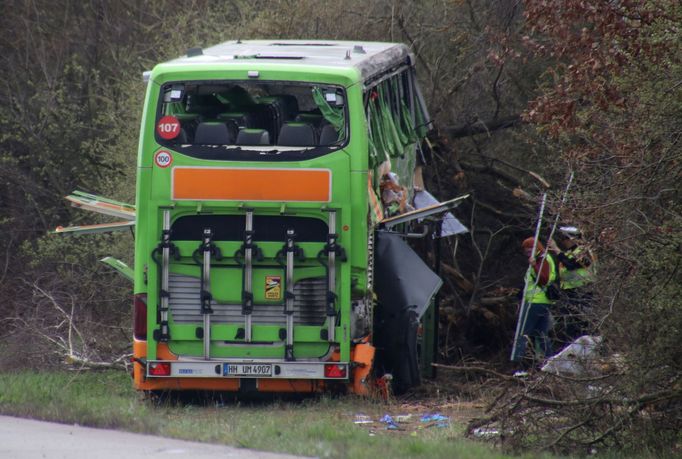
(261,369)
(293,379)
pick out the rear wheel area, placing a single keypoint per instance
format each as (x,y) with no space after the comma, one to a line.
(395,338)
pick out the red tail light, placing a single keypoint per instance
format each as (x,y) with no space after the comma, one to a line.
(140,316)
(159,369)
(332,370)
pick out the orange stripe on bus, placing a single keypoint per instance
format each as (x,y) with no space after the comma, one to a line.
(240,184)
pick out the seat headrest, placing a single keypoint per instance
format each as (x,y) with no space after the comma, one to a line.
(297,135)
(253,137)
(213,133)
(329,135)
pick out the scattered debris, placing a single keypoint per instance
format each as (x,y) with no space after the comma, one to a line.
(410,418)
(390,423)
(486,432)
(403,418)
(575,359)
(436,420)
(363,419)
(450,225)
(437,417)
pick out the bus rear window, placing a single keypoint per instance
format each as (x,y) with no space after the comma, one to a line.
(204,116)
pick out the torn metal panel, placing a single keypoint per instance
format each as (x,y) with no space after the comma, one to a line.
(101,205)
(423,212)
(390,57)
(402,280)
(99,228)
(122,268)
(451,225)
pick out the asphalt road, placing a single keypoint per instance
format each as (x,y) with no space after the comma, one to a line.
(28,439)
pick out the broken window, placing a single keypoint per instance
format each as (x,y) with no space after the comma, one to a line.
(205,118)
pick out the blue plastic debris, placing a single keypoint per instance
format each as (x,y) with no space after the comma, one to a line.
(390,423)
(436,417)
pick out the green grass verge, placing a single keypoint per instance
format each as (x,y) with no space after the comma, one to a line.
(320,427)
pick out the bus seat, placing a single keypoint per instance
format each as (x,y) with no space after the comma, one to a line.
(213,133)
(242,119)
(272,111)
(311,118)
(328,135)
(290,105)
(297,135)
(253,137)
(182,137)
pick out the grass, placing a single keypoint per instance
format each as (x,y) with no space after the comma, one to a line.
(320,427)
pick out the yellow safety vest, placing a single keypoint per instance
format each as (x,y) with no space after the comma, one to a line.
(575,278)
(538,293)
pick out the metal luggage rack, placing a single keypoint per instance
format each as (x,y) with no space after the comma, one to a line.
(245,256)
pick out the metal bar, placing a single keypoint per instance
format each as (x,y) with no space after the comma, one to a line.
(436,299)
(423,212)
(289,296)
(165,266)
(331,277)
(102,207)
(376,82)
(247,299)
(122,268)
(206,292)
(525,307)
(97,228)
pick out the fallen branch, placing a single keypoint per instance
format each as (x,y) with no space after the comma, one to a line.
(495,300)
(480,370)
(120,363)
(489,169)
(66,346)
(498,212)
(484,127)
(461,281)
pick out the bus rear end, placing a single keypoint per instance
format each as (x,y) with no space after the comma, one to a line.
(251,235)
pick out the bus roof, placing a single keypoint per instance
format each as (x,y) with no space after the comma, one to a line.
(369,58)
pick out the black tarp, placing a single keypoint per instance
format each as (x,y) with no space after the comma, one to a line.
(402,279)
(405,286)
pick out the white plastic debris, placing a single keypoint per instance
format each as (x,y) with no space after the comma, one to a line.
(486,432)
(574,359)
(402,418)
(450,224)
(363,419)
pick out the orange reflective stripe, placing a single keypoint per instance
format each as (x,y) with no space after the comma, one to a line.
(242,184)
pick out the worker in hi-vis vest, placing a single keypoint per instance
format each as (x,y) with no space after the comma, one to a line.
(537,320)
(576,273)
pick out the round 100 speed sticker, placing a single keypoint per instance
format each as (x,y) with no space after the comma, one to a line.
(163,158)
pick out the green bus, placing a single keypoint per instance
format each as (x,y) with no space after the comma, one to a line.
(271,178)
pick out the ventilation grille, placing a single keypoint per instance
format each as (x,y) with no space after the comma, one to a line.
(309,305)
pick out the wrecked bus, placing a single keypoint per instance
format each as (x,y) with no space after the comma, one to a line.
(272,176)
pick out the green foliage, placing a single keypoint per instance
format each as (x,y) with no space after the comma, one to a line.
(612,112)
(71,114)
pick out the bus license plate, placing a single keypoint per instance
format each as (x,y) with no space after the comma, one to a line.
(247,369)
